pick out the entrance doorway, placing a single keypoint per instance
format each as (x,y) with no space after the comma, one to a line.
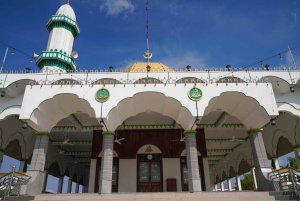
(149,178)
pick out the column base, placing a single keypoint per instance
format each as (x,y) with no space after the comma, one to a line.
(35,184)
(105,187)
(263,184)
(195,185)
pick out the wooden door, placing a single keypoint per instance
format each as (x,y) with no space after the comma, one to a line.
(149,177)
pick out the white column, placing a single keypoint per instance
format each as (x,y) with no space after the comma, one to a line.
(297,156)
(69,185)
(206,174)
(77,188)
(46,171)
(222,186)
(60,184)
(216,187)
(22,164)
(252,170)
(229,184)
(105,181)
(92,176)
(192,161)
(276,162)
(238,182)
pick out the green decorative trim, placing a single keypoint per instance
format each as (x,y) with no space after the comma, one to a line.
(108,133)
(190,132)
(225,140)
(43,134)
(216,124)
(60,21)
(295,130)
(154,126)
(57,59)
(233,125)
(255,130)
(17,117)
(217,156)
(296,146)
(77,142)
(272,157)
(213,161)
(82,126)
(24,159)
(280,114)
(224,150)
(64,128)
(78,153)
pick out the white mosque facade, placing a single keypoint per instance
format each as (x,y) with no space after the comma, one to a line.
(140,130)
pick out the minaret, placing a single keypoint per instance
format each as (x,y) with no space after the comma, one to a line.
(63,29)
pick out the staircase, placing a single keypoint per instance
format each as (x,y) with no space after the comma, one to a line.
(180,196)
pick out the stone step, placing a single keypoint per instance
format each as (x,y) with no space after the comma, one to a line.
(204,196)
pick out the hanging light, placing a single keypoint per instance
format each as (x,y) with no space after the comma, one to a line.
(24,126)
(148,68)
(228,67)
(267,67)
(31,60)
(261,64)
(111,68)
(27,70)
(3,93)
(188,68)
(197,122)
(272,121)
(13,51)
(280,57)
(101,123)
(292,89)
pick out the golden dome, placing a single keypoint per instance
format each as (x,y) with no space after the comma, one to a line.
(155,67)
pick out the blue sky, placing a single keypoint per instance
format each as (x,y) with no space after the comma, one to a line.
(200,33)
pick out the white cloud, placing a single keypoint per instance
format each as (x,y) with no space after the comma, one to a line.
(115,7)
(295,17)
(126,63)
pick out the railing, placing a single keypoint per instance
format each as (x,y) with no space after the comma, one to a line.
(10,183)
(290,181)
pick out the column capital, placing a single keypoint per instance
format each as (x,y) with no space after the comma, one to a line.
(255,130)
(42,133)
(2,150)
(108,133)
(190,132)
(24,159)
(296,146)
(272,157)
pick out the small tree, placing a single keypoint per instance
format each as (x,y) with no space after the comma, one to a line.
(246,183)
(292,162)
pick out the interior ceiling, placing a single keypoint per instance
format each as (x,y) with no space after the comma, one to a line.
(149,118)
(211,118)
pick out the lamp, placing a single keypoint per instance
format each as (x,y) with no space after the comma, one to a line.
(24,126)
(228,67)
(27,70)
(2,93)
(267,67)
(188,68)
(111,68)
(101,123)
(13,51)
(148,68)
(272,121)
(292,89)
(197,122)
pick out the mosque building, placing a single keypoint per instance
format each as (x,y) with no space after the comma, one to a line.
(146,128)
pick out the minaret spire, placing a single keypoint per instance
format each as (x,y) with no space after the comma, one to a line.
(147,54)
(68,2)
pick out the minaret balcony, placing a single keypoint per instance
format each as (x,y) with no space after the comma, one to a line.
(60,21)
(56,59)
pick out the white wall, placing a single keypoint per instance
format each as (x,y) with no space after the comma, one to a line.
(171,169)
(127,175)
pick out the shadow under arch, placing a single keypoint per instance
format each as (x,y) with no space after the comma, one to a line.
(154,101)
(19,137)
(244,167)
(13,150)
(246,108)
(284,147)
(279,84)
